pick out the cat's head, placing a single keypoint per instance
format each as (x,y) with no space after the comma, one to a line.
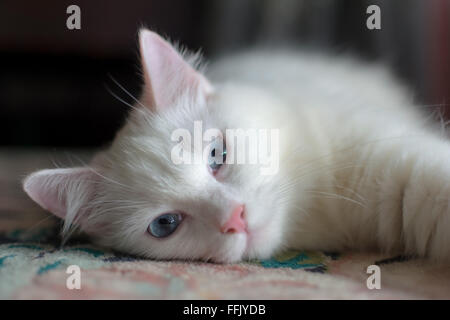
(137,197)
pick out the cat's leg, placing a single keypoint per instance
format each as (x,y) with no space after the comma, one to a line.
(406,185)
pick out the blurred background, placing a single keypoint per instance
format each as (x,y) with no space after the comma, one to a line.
(54,81)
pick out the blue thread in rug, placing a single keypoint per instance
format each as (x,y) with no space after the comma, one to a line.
(49,267)
(2,259)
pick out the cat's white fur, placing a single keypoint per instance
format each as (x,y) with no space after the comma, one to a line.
(360,166)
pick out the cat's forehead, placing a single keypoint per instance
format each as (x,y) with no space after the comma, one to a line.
(143,150)
(146,157)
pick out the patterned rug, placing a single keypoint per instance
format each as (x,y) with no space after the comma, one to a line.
(33,265)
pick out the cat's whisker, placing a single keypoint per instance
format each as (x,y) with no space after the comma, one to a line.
(125,90)
(336,196)
(81,162)
(123,101)
(294,154)
(351,191)
(111,180)
(121,201)
(301,209)
(334,186)
(118,208)
(55,164)
(292,181)
(435,105)
(34,226)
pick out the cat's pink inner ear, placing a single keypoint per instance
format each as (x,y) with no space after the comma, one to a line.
(166,74)
(50,188)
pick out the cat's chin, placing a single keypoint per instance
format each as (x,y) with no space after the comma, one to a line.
(233,250)
(252,245)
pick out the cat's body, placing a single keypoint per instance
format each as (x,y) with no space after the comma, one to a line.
(359,166)
(376,174)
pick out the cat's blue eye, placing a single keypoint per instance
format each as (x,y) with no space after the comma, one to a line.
(164,225)
(217,155)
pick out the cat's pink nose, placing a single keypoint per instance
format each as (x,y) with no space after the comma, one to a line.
(236,223)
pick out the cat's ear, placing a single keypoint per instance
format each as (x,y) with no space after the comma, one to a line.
(166,73)
(61,191)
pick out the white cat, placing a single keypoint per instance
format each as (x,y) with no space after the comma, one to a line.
(360,167)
